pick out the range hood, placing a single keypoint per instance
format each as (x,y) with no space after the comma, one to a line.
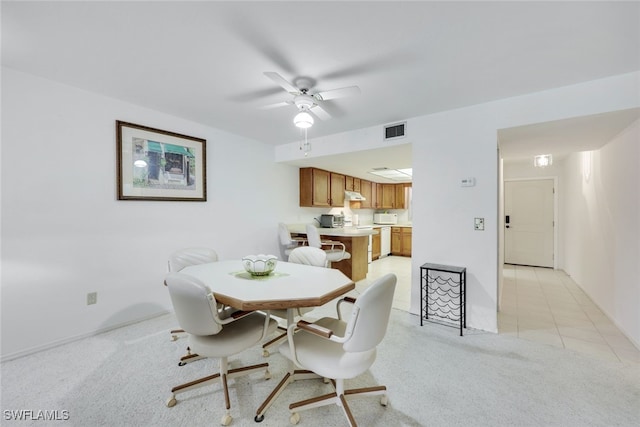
(353,196)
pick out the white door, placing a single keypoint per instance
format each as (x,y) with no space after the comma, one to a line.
(528,234)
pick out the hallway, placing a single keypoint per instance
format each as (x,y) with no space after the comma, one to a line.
(547,306)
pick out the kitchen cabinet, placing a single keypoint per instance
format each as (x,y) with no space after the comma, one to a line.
(365,190)
(315,187)
(386,196)
(337,189)
(400,201)
(375,246)
(353,184)
(321,188)
(401,241)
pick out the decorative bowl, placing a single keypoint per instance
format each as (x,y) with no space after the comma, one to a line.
(259,265)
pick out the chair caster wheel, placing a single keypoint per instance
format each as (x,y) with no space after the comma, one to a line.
(182,363)
(295,418)
(174,338)
(326,380)
(226,420)
(384,400)
(171,402)
(265,353)
(259,419)
(267,375)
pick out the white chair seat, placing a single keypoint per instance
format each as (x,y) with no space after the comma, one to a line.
(232,339)
(329,358)
(334,255)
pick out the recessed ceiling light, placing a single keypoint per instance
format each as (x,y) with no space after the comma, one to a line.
(393,174)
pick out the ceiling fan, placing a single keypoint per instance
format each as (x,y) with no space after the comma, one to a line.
(304,99)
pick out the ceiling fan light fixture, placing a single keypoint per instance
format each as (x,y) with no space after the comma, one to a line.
(303,120)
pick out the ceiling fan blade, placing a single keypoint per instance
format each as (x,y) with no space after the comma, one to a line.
(279,80)
(337,93)
(318,111)
(276,105)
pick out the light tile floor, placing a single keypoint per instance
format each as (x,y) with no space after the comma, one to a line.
(401,267)
(538,304)
(547,306)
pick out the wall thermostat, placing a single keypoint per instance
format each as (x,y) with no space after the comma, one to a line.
(468,182)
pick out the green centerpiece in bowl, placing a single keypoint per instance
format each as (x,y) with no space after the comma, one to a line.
(259,265)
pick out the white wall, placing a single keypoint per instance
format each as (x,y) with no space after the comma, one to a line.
(601,227)
(462,143)
(64,234)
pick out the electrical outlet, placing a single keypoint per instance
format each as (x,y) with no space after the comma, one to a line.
(92,298)
(478,224)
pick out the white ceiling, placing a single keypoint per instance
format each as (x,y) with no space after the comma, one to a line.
(204,61)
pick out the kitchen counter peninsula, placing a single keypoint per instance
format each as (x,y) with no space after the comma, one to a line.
(356,241)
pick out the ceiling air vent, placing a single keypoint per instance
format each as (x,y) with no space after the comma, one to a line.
(395,131)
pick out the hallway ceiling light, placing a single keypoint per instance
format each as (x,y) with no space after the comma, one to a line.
(542,160)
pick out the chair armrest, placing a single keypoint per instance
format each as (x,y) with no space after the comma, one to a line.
(347,299)
(228,316)
(314,329)
(240,313)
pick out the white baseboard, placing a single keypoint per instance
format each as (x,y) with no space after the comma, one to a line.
(32,350)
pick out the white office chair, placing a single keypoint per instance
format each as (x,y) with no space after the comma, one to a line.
(191,256)
(214,336)
(288,243)
(333,254)
(179,260)
(301,255)
(342,349)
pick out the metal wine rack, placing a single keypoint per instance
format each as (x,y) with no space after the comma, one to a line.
(442,297)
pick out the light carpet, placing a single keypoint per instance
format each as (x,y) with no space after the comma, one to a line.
(434,377)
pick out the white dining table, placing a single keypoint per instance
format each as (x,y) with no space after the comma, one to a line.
(290,286)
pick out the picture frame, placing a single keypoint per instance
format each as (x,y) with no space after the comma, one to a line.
(159,165)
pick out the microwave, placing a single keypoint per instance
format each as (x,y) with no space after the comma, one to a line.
(331,221)
(381,218)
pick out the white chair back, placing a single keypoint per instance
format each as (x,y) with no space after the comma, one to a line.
(370,316)
(191,256)
(308,255)
(194,305)
(285,235)
(313,236)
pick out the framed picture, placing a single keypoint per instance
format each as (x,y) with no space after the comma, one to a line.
(154,164)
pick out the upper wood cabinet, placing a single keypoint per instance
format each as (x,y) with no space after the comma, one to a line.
(365,190)
(353,184)
(321,188)
(399,198)
(337,189)
(386,196)
(315,187)
(374,195)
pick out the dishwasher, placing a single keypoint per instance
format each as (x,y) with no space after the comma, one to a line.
(385,241)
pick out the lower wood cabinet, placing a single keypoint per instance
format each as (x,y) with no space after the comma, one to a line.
(375,246)
(401,241)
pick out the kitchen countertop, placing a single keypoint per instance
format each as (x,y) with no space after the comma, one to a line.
(392,225)
(338,232)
